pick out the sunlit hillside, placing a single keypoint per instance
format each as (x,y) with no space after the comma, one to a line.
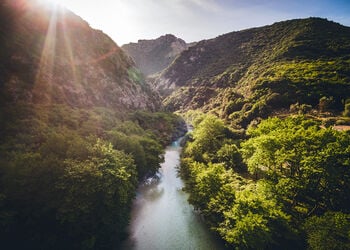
(297,65)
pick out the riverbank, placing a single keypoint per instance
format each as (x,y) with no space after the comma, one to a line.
(162,218)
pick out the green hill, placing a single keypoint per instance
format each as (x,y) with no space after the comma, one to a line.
(51,56)
(275,183)
(257,72)
(78,130)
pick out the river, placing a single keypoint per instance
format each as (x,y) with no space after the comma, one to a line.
(161,216)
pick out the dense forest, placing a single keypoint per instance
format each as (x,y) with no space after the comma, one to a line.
(267,163)
(68,176)
(81,127)
(281,185)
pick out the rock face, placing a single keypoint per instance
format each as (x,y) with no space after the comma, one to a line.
(153,56)
(255,72)
(51,56)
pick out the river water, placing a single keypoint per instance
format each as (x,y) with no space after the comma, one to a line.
(161,216)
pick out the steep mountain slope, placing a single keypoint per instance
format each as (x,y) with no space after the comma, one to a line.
(254,72)
(77,131)
(53,56)
(153,56)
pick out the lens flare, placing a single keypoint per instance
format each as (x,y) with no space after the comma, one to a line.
(50,3)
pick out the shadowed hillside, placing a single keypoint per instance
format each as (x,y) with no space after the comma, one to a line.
(79,128)
(153,56)
(53,56)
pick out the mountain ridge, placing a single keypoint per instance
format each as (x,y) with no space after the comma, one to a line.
(261,70)
(154,55)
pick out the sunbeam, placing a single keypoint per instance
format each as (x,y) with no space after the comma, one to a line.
(68,48)
(50,3)
(43,81)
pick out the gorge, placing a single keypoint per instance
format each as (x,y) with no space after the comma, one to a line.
(82,127)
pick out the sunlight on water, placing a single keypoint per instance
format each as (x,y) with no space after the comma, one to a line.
(162,217)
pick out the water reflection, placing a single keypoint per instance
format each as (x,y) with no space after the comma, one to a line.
(153,193)
(162,217)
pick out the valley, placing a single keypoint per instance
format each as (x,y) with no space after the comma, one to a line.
(85,123)
(269,111)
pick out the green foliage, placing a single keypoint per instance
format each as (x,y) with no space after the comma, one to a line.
(314,159)
(208,138)
(68,194)
(347,108)
(145,150)
(108,181)
(68,176)
(255,220)
(211,186)
(252,74)
(164,126)
(329,231)
(136,76)
(231,156)
(309,72)
(297,171)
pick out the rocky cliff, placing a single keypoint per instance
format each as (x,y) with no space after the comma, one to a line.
(153,56)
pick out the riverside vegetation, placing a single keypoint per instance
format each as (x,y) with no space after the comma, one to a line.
(68,176)
(262,182)
(80,126)
(282,185)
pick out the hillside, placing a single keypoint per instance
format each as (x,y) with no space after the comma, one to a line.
(264,165)
(256,72)
(79,128)
(51,56)
(153,56)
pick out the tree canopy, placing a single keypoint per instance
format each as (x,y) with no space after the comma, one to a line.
(68,176)
(275,189)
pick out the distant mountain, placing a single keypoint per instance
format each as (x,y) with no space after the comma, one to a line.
(256,72)
(52,56)
(153,56)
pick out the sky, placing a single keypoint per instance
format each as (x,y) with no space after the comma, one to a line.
(194,20)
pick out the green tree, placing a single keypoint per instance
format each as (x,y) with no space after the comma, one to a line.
(308,163)
(208,138)
(230,155)
(256,220)
(329,231)
(71,194)
(130,145)
(96,193)
(153,154)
